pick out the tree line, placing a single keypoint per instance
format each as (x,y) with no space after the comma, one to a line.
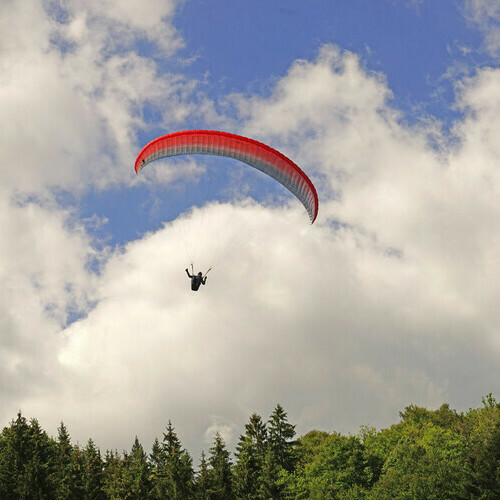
(429,454)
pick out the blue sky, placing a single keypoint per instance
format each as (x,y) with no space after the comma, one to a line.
(392,107)
(245,47)
(237,47)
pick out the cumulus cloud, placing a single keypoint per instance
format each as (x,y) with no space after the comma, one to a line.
(381,303)
(386,300)
(486,15)
(114,24)
(72,94)
(45,279)
(74,87)
(390,298)
(386,171)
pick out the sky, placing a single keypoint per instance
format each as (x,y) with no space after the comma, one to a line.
(392,107)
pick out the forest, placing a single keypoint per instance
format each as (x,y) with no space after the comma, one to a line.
(428,454)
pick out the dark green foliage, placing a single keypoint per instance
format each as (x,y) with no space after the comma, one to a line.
(247,471)
(172,475)
(280,458)
(487,467)
(13,456)
(27,461)
(136,476)
(93,472)
(157,460)
(38,468)
(114,467)
(280,442)
(219,474)
(250,457)
(202,483)
(429,454)
(78,469)
(62,476)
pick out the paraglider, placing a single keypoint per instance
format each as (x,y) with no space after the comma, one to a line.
(196,280)
(253,153)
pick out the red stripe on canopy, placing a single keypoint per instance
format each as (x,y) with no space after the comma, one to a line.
(249,151)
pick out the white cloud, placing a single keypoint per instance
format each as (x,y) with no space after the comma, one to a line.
(44,275)
(228,432)
(117,23)
(390,298)
(381,303)
(73,89)
(315,95)
(72,92)
(395,190)
(486,15)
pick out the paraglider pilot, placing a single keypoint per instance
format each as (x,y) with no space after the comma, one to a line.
(196,280)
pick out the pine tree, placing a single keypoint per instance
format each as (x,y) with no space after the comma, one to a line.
(113,476)
(174,475)
(93,476)
(280,456)
(202,483)
(280,438)
(157,460)
(63,474)
(220,476)
(27,460)
(40,466)
(13,458)
(78,474)
(250,456)
(137,471)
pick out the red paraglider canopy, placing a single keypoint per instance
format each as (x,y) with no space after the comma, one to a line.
(253,153)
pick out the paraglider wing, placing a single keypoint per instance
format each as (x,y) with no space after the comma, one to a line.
(253,153)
